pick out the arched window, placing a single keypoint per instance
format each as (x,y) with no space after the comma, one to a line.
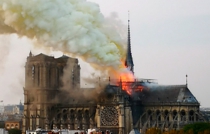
(158,115)
(191,115)
(166,115)
(175,115)
(12,125)
(49,76)
(86,114)
(16,125)
(183,115)
(72,114)
(59,116)
(8,126)
(33,71)
(149,113)
(65,114)
(38,76)
(79,115)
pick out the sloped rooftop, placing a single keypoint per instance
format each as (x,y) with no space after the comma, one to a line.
(167,93)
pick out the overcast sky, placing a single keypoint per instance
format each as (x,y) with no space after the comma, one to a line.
(169,40)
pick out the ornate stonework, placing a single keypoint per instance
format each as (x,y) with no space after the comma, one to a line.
(109,116)
(170,107)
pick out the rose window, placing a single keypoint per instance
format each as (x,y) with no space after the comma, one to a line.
(109,116)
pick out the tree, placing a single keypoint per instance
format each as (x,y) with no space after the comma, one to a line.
(14,131)
(207,132)
(173,131)
(197,128)
(190,131)
(1,125)
(180,131)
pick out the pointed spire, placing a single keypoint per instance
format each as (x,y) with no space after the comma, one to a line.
(20,103)
(186,79)
(30,54)
(129,59)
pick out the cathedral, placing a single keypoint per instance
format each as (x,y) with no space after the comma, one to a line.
(53,98)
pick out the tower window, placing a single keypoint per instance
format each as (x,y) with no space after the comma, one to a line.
(33,71)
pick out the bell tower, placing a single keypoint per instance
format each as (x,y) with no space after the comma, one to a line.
(43,83)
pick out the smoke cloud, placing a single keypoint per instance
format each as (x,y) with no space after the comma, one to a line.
(4,51)
(75,27)
(12,61)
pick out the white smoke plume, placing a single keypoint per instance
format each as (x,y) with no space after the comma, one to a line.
(13,53)
(75,27)
(4,51)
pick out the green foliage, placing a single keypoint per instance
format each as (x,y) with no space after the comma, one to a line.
(197,128)
(180,131)
(1,125)
(173,132)
(14,131)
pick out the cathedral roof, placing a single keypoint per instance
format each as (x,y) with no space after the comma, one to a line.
(172,93)
(63,57)
(41,57)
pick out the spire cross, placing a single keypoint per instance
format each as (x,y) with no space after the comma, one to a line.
(128,16)
(186,79)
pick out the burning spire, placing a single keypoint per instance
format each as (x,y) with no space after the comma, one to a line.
(129,59)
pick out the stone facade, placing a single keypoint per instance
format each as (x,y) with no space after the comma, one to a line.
(50,102)
(42,83)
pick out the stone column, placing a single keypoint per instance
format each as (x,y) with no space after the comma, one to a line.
(36,74)
(76,123)
(24,125)
(58,75)
(187,116)
(41,75)
(53,76)
(140,126)
(26,75)
(194,115)
(162,118)
(157,119)
(98,116)
(61,124)
(121,119)
(131,119)
(46,123)
(45,75)
(37,121)
(128,121)
(170,116)
(179,119)
(54,124)
(91,123)
(31,123)
(46,126)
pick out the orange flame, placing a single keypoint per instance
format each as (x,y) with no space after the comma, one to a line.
(128,82)
(126,79)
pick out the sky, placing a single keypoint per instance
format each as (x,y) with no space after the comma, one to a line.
(170,39)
